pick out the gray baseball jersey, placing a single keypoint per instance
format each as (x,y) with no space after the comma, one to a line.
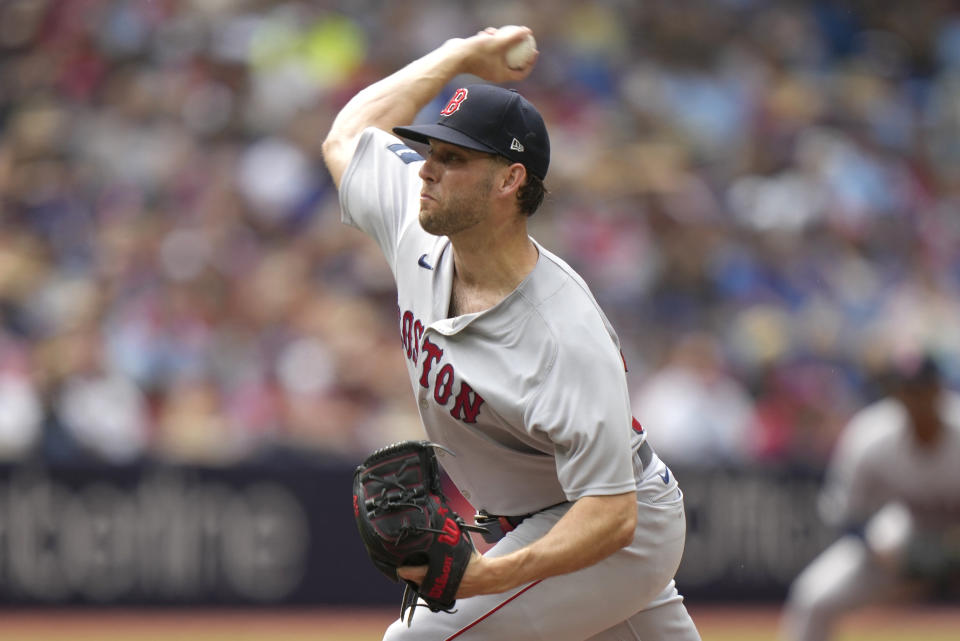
(531,394)
(877,461)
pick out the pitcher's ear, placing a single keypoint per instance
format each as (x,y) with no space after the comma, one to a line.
(514,177)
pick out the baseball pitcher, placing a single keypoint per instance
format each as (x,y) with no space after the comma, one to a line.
(516,371)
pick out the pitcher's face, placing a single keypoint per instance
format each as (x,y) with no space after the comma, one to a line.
(457,186)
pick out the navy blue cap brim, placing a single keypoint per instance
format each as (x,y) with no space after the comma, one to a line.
(424,133)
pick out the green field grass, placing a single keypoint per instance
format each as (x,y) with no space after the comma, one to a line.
(726,623)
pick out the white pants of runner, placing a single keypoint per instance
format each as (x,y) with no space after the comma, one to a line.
(844,577)
(630,595)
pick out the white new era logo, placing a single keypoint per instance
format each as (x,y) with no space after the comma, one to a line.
(515,145)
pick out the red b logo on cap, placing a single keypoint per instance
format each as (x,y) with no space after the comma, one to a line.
(459,96)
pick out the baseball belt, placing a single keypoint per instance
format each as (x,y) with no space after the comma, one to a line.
(645,454)
(497,526)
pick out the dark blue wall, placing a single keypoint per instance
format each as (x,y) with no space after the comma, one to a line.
(284,533)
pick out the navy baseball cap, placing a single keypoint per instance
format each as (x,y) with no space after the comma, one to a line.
(491,119)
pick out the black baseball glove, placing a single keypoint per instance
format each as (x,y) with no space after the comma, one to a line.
(404,519)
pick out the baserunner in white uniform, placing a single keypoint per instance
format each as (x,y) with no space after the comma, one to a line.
(514,366)
(893,491)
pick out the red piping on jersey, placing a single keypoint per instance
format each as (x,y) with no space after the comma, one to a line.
(462,630)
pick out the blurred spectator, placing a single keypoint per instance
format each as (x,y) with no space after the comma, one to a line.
(106,415)
(782,177)
(21,412)
(694,411)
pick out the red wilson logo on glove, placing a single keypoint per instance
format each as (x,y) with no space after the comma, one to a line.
(436,592)
(451,533)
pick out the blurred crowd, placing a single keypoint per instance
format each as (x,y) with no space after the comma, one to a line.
(762,195)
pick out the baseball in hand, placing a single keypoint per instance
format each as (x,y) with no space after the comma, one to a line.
(521,54)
